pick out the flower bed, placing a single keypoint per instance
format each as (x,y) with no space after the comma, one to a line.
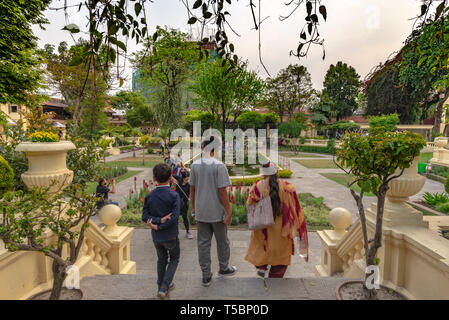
(315,212)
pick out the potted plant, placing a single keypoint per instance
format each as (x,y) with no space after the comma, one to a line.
(46,161)
(376,161)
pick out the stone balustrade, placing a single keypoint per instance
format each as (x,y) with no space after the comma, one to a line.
(104,251)
(414,257)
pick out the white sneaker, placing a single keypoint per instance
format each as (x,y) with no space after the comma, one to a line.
(189,235)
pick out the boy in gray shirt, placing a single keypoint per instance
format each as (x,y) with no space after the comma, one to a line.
(209,179)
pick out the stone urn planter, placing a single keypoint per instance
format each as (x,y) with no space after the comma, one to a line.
(47,164)
(353,290)
(441,142)
(397,211)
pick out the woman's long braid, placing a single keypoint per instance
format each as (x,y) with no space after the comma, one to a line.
(274,195)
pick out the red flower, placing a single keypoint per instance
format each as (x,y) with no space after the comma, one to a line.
(141,200)
(247,190)
(233,201)
(231,188)
(135,178)
(232,197)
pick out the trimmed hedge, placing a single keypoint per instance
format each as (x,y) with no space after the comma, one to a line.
(6,176)
(283,174)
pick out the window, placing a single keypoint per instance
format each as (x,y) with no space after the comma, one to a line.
(13,109)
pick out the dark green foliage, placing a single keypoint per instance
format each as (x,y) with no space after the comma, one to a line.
(341,89)
(6,177)
(291,90)
(20,64)
(17,160)
(385,95)
(271,118)
(290,129)
(208,120)
(388,122)
(84,161)
(435,198)
(251,119)
(446,185)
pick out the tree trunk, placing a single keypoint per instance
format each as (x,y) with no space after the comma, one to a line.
(377,241)
(59,276)
(444,95)
(223,116)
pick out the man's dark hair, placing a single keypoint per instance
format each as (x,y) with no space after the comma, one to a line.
(208,141)
(161,172)
(100,181)
(185,174)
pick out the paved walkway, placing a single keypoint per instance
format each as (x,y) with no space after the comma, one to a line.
(299,282)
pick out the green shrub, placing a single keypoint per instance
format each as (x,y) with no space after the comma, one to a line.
(389,122)
(443,207)
(6,176)
(113,172)
(250,119)
(440,170)
(436,198)
(271,118)
(150,150)
(285,174)
(290,129)
(446,185)
(246,181)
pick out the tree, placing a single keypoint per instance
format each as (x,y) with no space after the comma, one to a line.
(20,64)
(341,89)
(226,91)
(291,129)
(290,91)
(165,66)
(375,160)
(322,111)
(84,89)
(386,95)
(250,119)
(387,122)
(425,77)
(27,216)
(208,120)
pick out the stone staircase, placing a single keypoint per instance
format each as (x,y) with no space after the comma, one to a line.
(188,287)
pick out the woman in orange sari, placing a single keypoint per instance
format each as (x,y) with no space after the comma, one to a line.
(274,245)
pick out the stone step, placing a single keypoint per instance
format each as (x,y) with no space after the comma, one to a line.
(144,287)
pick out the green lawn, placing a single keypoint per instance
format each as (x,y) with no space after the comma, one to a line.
(300,155)
(425,157)
(135,164)
(344,180)
(315,212)
(317,164)
(91,186)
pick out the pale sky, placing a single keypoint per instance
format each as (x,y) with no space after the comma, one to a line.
(362,33)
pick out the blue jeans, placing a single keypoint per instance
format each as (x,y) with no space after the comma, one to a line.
(168,250)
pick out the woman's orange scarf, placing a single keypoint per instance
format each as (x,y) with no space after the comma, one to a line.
(293,221)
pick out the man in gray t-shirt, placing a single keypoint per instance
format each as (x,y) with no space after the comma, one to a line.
(209,180)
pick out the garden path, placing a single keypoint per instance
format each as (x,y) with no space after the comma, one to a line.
(336,195)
